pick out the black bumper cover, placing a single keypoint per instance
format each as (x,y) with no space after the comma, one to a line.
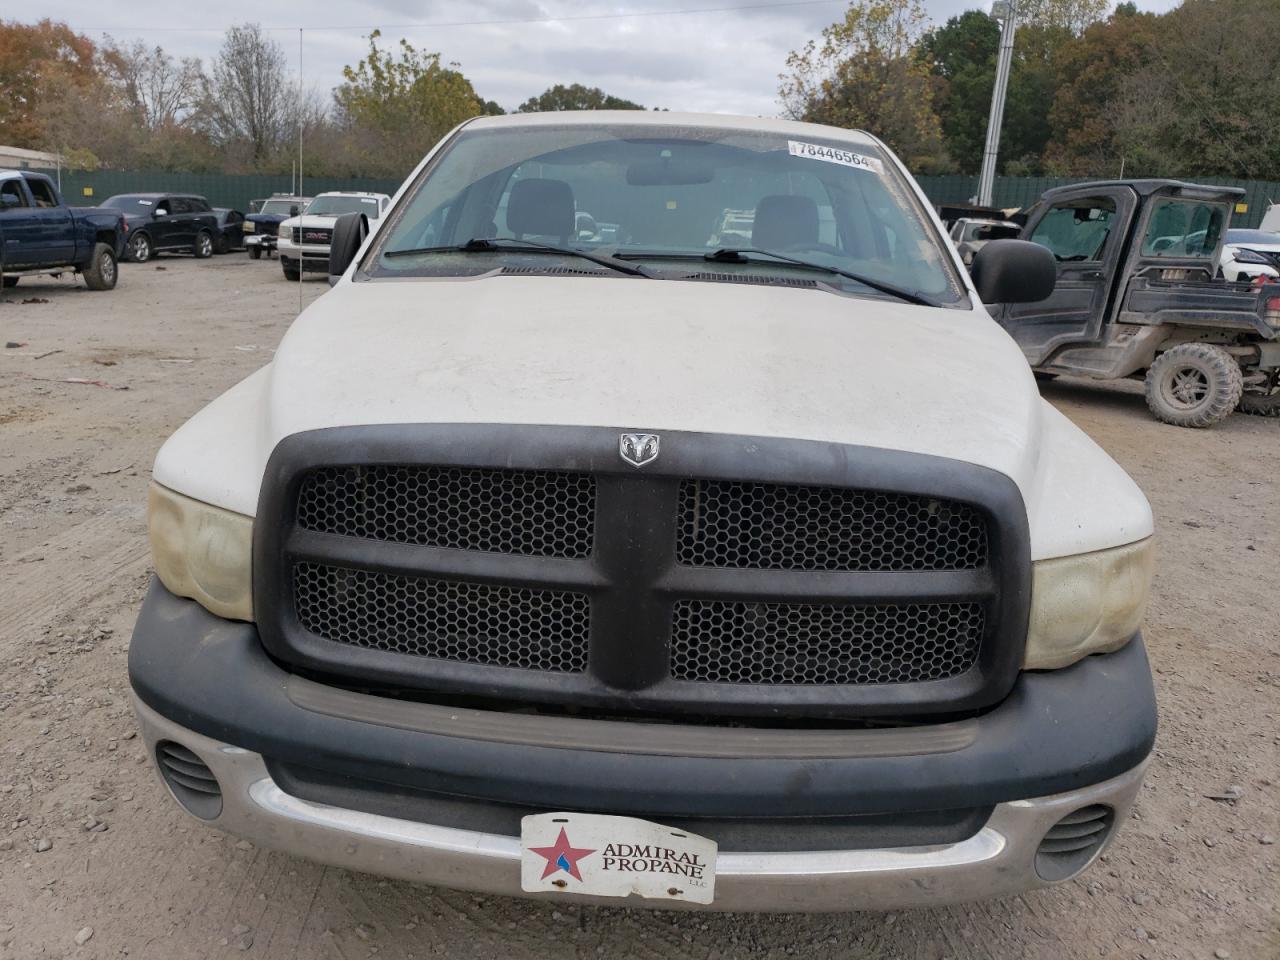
(1057,731)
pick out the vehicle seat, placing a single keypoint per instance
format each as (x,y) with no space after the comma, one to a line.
(541,208)
(783,221)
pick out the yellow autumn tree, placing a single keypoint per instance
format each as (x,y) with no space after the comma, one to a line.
(867,73)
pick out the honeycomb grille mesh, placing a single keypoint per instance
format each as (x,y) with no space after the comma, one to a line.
(534,513)
(766,526)
(777,643)
(446,620)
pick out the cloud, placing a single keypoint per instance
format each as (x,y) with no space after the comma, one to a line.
(719,62)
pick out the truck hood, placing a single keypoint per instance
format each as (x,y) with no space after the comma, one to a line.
(309,221)
(658,355)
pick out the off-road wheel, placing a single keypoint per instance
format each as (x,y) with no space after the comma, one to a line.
(140,250)
(1262,399)
(1194,385)
(203,247)
(291,272)
(100,272)
(255,252)
(10,282)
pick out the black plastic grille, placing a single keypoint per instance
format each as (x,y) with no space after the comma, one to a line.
(444,619)
(800,643)
(765,526)
(536,513)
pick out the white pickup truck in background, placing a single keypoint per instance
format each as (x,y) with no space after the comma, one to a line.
(303,241)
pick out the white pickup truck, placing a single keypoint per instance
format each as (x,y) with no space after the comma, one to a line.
(303,242)
(756,577)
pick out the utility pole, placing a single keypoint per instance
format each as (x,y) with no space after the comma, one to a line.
(1002,10)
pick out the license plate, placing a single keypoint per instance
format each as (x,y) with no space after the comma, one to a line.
(605,856)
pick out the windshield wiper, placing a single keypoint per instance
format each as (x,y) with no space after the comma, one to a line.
(736,255)
(486,244)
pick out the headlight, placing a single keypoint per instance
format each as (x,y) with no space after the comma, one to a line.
(202,552)
(1248,256)
(247,226)
(1088,603)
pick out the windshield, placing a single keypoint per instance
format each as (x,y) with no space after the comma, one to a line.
(1252,236)
(279,208)
(140,205)
(337,206)
(1184,228)
(657,194)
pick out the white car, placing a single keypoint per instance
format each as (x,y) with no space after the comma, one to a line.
(969,236)
(746,579)
(1249,254)
(303,243)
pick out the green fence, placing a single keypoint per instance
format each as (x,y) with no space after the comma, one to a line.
(222,190)
(1023,191)
(227,190)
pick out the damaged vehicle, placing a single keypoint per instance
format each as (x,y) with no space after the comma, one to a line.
(1136,298)
(587,569)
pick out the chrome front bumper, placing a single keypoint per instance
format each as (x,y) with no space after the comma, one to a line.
(999,860)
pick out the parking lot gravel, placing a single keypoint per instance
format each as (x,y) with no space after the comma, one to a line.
(97,862)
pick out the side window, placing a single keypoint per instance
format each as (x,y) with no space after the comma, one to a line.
(11,191)
(199,204)
(1183,228)
(179,205)
(42,193)
(1077,230)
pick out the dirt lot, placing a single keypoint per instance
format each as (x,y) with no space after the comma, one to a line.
(89,842)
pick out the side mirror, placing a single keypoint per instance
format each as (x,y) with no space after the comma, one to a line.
(294,210)
(349,232)
(9,202)
(1014,271)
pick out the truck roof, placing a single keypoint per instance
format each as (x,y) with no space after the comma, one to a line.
(659,118)
(1144,188)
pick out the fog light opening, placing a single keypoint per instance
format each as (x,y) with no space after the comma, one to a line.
(192,783)
(1074,841)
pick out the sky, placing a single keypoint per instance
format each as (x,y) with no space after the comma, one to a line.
(716,59)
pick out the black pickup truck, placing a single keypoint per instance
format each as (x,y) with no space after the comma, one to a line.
(39,234)
(1136,296)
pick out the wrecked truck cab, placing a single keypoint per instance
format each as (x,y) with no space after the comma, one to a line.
(742,577)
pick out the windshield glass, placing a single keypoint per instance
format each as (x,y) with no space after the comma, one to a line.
(663,193)
(130,204)
(1184,228)
(279,208)
(1252,236)
(337,206)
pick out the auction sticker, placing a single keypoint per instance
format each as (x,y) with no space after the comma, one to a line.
(605,856)
(847,158)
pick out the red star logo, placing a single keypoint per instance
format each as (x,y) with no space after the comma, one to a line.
(562,856)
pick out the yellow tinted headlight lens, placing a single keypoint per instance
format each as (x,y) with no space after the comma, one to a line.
(1087,603)
(202,552)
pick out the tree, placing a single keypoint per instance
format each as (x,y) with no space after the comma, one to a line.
(1070,15)
(1193,108)
(866,73)
(39,62)
(962,55)
(160,90)
(574,97)
(249,97)
(397,109)
(1091,72)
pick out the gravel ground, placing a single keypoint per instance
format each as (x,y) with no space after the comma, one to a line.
(96,861)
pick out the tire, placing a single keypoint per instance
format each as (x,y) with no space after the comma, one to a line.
(10,282)
(291,273)
(255,252)
(202,249)
(1263,401)
(102,271)
(140,248)
(220,244)
(1194,385)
